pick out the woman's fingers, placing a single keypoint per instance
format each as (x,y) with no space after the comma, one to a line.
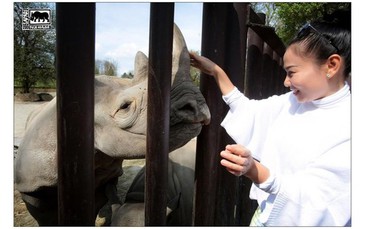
(236,159)
(238,150)
(232,167)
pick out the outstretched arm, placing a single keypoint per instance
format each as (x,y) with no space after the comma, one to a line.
(209,67)
(236,158)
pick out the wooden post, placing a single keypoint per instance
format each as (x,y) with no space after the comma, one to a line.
(254,77)
(75,113)
(224,42)
(158,112)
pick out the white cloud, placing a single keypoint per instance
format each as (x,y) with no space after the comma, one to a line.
(123,50)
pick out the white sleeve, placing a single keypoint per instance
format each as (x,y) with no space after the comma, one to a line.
(316,196)
(247,121)
(238,117)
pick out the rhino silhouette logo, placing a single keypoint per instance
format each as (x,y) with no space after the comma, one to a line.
(44,16)
(36,19)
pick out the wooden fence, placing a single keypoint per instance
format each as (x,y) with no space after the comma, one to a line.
(234,37)
(251,54)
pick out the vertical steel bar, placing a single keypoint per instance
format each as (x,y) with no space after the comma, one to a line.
(158,118)
(75,42)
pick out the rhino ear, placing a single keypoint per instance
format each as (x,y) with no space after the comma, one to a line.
(140,67)
(180,56)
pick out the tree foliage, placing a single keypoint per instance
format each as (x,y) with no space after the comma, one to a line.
(269,9)
(194,72)
(294,15)
(288,17)
(128,75)
(34,50)
(106,67)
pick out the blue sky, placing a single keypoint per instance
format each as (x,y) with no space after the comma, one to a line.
(122,29)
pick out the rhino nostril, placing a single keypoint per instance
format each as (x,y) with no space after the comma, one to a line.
(188,108)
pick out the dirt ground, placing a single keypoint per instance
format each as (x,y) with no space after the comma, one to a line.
(21,112)
(22,218)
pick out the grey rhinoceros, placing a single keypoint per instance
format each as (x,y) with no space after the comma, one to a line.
(120,132)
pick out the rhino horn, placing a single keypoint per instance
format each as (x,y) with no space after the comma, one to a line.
(180,58)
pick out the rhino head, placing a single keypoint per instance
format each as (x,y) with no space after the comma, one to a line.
(120,124)
(121,107)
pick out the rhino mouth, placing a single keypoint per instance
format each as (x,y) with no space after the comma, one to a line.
(184,128)
(106,168)
(182,133)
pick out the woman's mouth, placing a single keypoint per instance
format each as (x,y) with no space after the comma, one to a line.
(295,91)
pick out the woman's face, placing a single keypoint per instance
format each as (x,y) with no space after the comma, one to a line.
(305,77)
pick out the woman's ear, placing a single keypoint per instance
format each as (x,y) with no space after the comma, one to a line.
(334,64)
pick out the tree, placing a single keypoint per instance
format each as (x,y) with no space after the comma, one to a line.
(128,75)
(287,18)
(34,50)
(98,67)
(294,15)
(106,67)
(270,11)
(110,68)
(194,72)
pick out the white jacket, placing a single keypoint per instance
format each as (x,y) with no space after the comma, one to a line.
(306,147)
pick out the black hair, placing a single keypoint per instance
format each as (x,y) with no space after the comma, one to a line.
(327,36)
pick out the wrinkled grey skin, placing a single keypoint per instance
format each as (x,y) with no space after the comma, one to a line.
(180,192)
(120,132)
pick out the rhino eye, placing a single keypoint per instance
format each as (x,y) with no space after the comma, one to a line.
(126,114)
(125,105)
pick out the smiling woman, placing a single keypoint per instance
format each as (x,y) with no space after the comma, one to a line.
(122,29)
(287,144)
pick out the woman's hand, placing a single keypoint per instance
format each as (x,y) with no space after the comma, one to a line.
(210,68)
(204,64)
(237,159)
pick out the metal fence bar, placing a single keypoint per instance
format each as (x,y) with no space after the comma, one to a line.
(158,112)
(75,42)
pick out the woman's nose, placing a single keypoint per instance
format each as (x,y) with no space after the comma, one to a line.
(287,82)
